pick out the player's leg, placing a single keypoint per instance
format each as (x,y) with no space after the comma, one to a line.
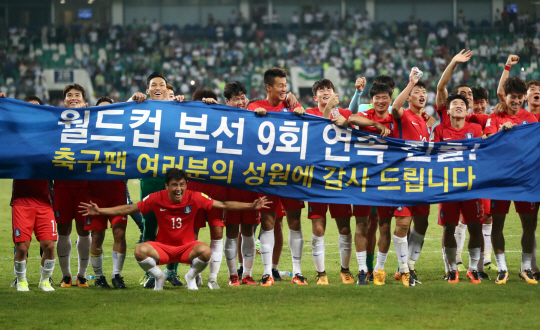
(499,209)
(23,221)
(63,244)
(231,248)
(296,242)
(345,245)
(383,244)
(472,212)
(416,237)
(361,214)
(248,252)
(20,259)
(278,245)
(529,219)
(96,256)
(317,215)
(268,219)
(373,223)
(48,261)
(148,258)
(83,250)
(486,231)
(199,258)
(460,235)
(119,254)
(216,245)
(403,221)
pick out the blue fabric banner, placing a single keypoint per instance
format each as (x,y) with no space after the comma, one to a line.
(301,157)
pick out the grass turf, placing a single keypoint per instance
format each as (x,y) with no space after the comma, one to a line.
(434,304)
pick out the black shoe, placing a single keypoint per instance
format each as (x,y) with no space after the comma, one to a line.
(536,276)
(414,279)
(240,271)
(101,282)
(140,240)
(483,276)
(51,280)
(362,278)
(173,278)
(275,275)
(370,276)
(150,283)
(118,282)
(452,276)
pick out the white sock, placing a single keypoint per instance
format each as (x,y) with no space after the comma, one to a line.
(361,258)
(451,257)
(415,247)
(20,270)
(318,250)
(97,265)
(47,269)
(526,261)
(149,266)
(248,253)
(446,267)
(216,245)
(474,257)
(534,263)
(486,231)
(230,254)
(460,235)
(480,266)
(118,260)
(83,250)
(345,250)
(63,250)
(501,261)
(296,244)
(274,266)
(267,247)
(197,266)
(402,252)
(381,260)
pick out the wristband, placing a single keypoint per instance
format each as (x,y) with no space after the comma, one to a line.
(507,68)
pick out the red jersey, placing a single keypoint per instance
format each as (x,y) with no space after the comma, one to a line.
(480,119)
(410,127)
(69,184)
(175,221)
(106,189)
(496,120)
(371,114)
(344,112)
(537,115)
(281,107)
(34,193)
(443,132)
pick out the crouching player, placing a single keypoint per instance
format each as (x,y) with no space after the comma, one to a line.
(175,208)
(472,210)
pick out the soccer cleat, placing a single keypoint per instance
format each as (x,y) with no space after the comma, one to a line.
(66,282)
(461,268)
(191,283)
(150,283)
(299,279)
(362,278)
(267,280)
(528,276)
(370,276)
(474,276)
(322,278)
(172,277)
(81,282)
(536,275)
(143,279)
(101,282)
(502,277)
(453,277)
(212,285)
(490,266)
(275,275)
(397,276)
(405,278)
(483,276)
(46,285)
(240,271)
(379,277)
(118,282)
(22,286)
(248,280)
(446,276)
(233,280)
(414,278)
(198,280)
(346,276)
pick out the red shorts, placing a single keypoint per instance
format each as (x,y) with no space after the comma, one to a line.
(248,217)
(502,207)
(280,211)
(28,219)
(66,204)
(99,222)
(169,254)
(402,211)
(487,205)
(361,210)
(472,210)
(288,203)
(318,210)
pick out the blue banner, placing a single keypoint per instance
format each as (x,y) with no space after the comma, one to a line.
(301,157)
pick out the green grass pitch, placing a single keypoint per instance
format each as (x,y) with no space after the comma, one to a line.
(434,304)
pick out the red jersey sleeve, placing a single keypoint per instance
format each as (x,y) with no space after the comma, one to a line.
(492,124)
(203,201)
(146,204)
(437,133)
(443,115)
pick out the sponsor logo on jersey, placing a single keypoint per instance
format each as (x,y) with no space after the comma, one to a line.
(412,122)
(88,221)
(187,209)
(162,209)
(524,122)
(144,199)
(17,232)
(469,136)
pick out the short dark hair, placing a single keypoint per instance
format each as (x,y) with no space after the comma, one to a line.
(234,88)
(454,97)
(514,85)
(456,89)
(380,89)
(271,74)
(204,93)
(104,99)
(480,93)
(154,75)
(419,84)
(174,174)
(533,83)
(384,79)
(76,87)
(169,86)
(320,84)
(253,101)
(31,98)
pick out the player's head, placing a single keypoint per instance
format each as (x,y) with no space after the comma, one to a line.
(515,90)
(381,96)
(156,87)
(204,93)
(235,95)
(33,99)
(466,91)
(533,93)
(176,184)
(418,96)
(170,92)
(104,100)
(74,95)
(457,106)
(275,80)
(384,79)
(480,96)
(322,89)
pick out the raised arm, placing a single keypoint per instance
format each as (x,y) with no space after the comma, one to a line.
(91,209)
(510,62)
(442,92)
(397,111)
(355,101)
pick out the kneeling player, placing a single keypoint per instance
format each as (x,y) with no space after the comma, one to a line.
(175,208)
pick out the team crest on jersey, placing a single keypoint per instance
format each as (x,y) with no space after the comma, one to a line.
(524,122)
(187,209)
(17,232)
(469,136)
(88,221)
(57,214)
(391,126)
(284,110)
(205,195)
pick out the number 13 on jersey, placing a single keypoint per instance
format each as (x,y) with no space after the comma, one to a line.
(176,223)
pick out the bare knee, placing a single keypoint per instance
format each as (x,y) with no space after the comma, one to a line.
(141,252)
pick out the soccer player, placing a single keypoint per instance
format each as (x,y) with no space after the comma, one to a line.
(175,242)
(472,210)
(509,115)
(170,92)
(277,99)
(32,212)
(67,196)
(107,194)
